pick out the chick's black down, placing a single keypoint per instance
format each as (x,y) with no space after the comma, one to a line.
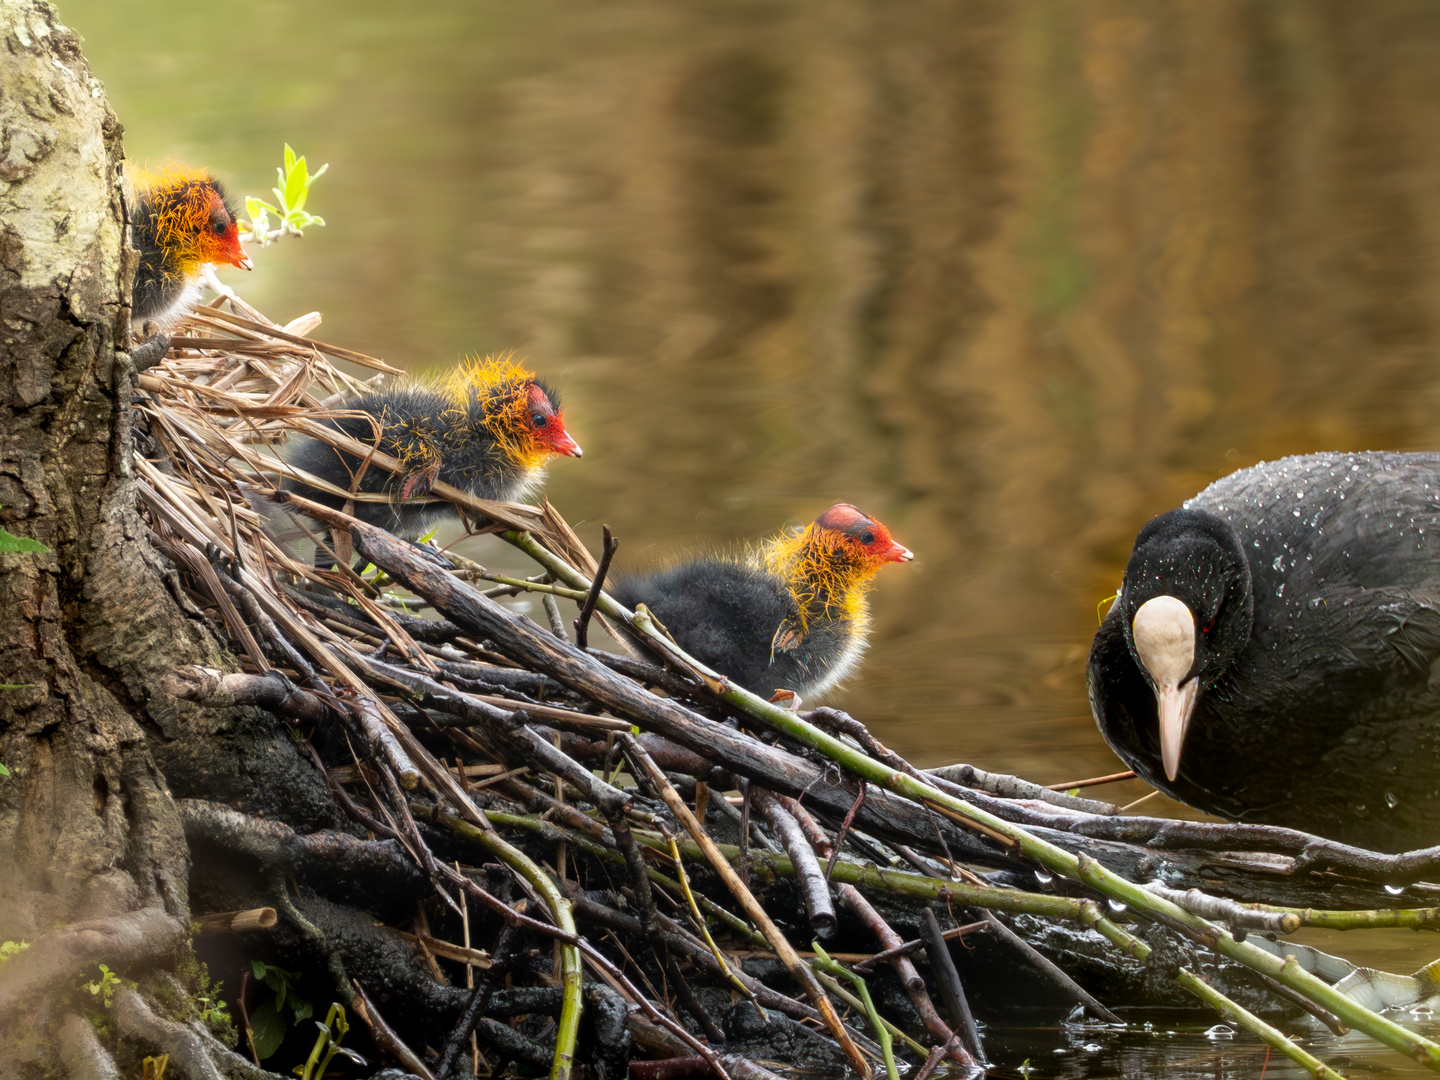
(416,427)
(726,614)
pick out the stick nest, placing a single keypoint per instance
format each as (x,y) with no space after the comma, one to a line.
(623,848)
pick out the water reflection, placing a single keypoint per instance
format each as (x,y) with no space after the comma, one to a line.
(1013,277)
(1182,1051)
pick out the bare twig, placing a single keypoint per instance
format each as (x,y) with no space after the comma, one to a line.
(951,988)
(609,545)
(814,891)
(797,967)
(909,977)
(385,1037)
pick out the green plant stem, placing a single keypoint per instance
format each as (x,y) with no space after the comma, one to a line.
(1285,971)
(550,831)
(326,1042)
(823,962)
(865,876)
(1246,1019)
(571,1003)
(536,587)
(836,987)
(1053,858)
(1399,918)
(799,971)
(870,878)
(699,919)
(1218,1001)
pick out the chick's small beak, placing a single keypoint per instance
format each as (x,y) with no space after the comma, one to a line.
(901,554)
(243,262)
(564,444)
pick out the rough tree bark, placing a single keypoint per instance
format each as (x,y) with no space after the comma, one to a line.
(93,859)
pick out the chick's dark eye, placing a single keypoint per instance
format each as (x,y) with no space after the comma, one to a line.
(539,420)
(867,537)
(219,228)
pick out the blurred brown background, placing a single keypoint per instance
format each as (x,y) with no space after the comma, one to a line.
(1013,277)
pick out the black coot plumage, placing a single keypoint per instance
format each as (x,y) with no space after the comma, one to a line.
(488,428)
(1274,653)
(790,615)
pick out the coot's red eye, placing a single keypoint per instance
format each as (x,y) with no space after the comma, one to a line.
(1208,626)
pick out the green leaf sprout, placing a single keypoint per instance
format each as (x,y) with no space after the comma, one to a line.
(294,180)
(267,1023)
(104,988)
(327,1045)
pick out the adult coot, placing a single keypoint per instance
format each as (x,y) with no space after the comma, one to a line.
(1274,653)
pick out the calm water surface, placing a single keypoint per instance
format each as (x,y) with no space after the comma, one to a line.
(1013,277)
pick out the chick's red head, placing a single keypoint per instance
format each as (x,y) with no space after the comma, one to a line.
(866,542)
(547,423)
(220,235)
(194,220)
(512,407)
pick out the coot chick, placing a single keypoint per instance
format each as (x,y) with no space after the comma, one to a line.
(1273,655)
(488,429)
(183,221)
(790,615)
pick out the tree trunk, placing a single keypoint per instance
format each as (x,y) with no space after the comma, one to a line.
(93,860)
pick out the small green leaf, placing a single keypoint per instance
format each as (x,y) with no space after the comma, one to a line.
(258,968)
(292,189)
(10,542)
(303,1009)
(295,186)
(4,771)
(267,1028)
(105,988)
(15,686)
(260,225)
(298,203)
